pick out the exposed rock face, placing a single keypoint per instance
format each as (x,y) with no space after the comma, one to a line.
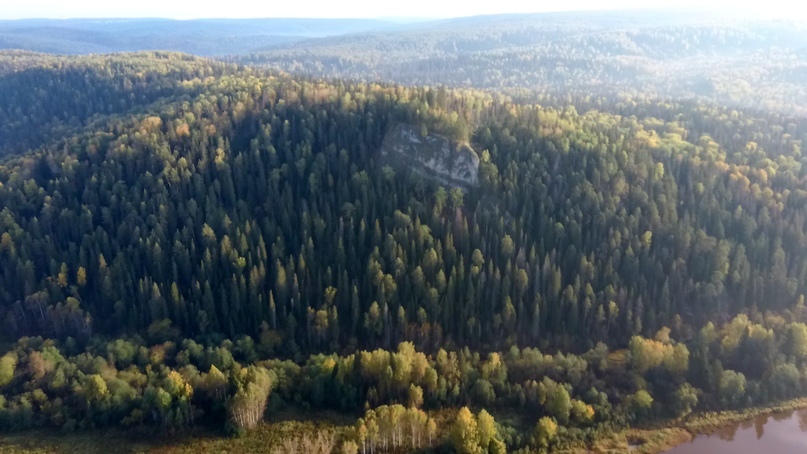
(432,156)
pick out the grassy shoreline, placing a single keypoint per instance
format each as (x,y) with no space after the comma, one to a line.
(652,440)
(676,432)
(710,421)
(264,438)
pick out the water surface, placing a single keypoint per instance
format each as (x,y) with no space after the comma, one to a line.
(780,433)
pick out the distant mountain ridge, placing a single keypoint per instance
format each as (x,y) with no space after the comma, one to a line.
(206,37)
(727,59)
(720,57)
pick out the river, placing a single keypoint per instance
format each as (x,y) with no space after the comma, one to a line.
(781,433)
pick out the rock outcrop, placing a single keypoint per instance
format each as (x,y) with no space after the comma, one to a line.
(433,156)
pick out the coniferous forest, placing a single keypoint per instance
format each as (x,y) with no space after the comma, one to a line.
(188,244)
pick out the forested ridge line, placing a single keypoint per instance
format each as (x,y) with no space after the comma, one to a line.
(39,107)
(658,253)
(733,61)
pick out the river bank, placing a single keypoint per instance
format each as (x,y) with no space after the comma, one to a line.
(655,441)
(668,435)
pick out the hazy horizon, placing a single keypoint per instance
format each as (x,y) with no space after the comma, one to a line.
(416,9)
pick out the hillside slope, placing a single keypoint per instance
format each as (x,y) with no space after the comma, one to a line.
(48,97)
(269,146)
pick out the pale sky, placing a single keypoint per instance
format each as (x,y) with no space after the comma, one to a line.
(193,9)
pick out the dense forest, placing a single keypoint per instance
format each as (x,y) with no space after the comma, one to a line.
(188,242)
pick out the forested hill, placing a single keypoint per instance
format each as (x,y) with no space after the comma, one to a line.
(720,58)
(235,199)
(179,202)
(47,97)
